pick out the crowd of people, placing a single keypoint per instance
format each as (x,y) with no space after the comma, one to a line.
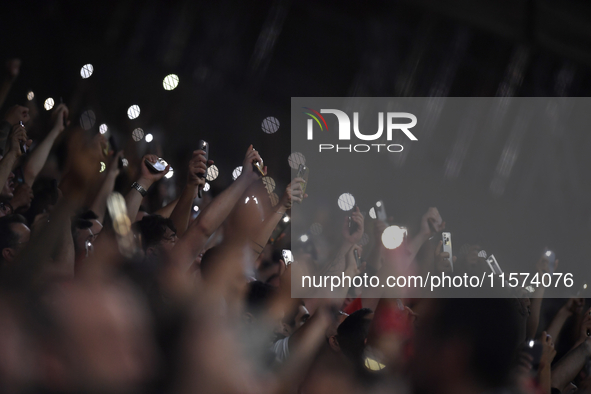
(100,295)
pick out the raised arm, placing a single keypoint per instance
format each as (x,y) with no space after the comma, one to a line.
(17,135)
(567,368)
(99,205)
(134,197)
(212,216)
(293,192)
(39,155)
(182,211)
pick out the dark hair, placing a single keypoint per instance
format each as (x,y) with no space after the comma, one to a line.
(152,228)
(88,215)
(351,334)
(258,297)
(9,238)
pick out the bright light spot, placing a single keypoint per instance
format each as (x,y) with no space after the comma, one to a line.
(269,184)
(531,343)
(170,82)
(304,238)
(256,201)
(206,187)
(212,173)
(549,253)
(378,204)
(270,125)
(103,128)
(482,254)
(295,159)
(316,229)
(247,200)
(393,236)
(48,104)
(274,198)
(103,166)
(236,173)
(137,134)
(372,213)
(87,119)
(195,208)
(286,219)
(585,286)
(125,162)
(149,137)
(30,96)
(133,112)
(86,70)
(346,201)
(170,173)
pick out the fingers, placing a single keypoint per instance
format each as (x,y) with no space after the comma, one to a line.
(151,158)
(439,248)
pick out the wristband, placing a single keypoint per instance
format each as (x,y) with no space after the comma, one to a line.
(139,188)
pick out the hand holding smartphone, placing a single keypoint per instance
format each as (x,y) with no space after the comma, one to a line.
(259,166)
(204,146)
(446,238)
(157,167)
(303,172)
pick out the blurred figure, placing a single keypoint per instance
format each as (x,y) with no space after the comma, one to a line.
(465,346)
(99,341)
(14,235)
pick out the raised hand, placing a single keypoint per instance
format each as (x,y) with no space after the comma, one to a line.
(16,138)
(431,222)
(357,218)
(59,117)
(147,177)
(248,170)
(293,192)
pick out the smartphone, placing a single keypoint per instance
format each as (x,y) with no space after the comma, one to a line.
(494,265)
(159,166)
(303,172)
(357,258)
(287,256)
(204,146)
(446,237)
(381,211)
(23,143)
(259,166)
(551,257)
(534,349)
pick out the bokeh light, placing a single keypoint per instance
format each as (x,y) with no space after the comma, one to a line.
(103,128)
(206,187)
(48,104)
(346,201)
(236,173)
(169,174)
(86,70)
(149,137)
(133,112)
(170,82)
(212,173)
(30,95)
(270,125)
(393,236)
(87,119)
(137,134)
(295,159)
(269,184)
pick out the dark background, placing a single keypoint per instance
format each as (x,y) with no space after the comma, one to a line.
(239,62)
